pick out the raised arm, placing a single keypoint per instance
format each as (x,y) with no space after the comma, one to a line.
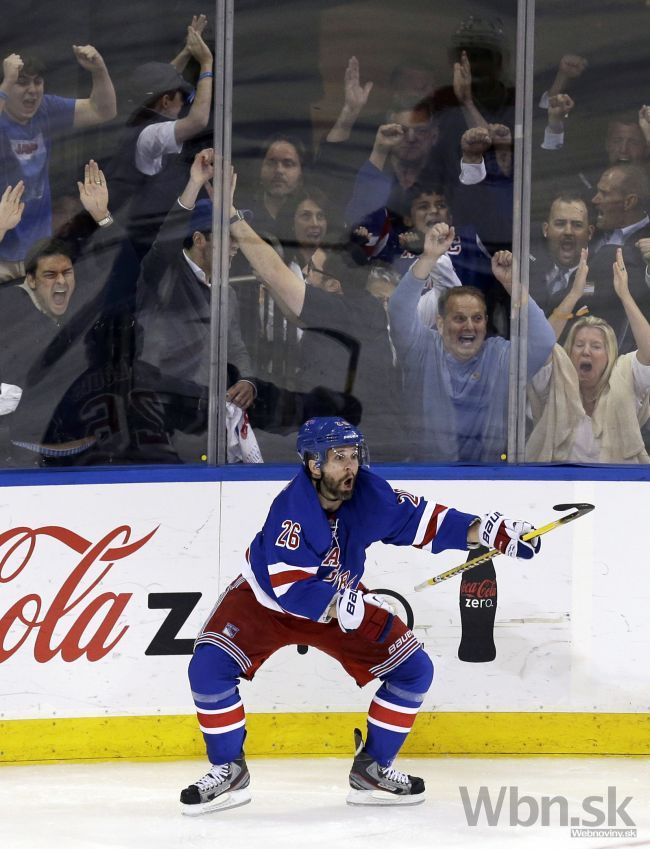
(11,207)
(501,140)
(201,172)
(541,338)
(93,194)
(564,311)
(559,107)
(387,138)
(644,122)
(638,322)
(101,105)
(409,335)
(169,241)
(373,185)
(437,242)
(198,115)
(569,68)
(265,262)
(12,65)
(462,82)
(356,97)
(473,145)
(180,61)
(502,269)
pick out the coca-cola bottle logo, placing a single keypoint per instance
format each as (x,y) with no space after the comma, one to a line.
(487,588)
(29,613)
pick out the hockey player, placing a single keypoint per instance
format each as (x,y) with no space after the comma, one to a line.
(300,584)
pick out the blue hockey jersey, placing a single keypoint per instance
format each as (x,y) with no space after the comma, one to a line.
(303,557)
(469,261)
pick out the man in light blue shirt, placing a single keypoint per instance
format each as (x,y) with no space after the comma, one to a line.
(456,378)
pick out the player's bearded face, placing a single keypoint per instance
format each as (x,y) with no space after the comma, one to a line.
(339,474)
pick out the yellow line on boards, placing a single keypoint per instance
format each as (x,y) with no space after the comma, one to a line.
(313,734)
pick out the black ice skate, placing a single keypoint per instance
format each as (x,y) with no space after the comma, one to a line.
(372,784)
(224,786)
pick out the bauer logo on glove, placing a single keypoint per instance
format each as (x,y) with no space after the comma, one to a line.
(505,535)
(350,609)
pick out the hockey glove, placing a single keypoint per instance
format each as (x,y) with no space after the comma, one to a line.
(370,615)
(495,531)
(350,609)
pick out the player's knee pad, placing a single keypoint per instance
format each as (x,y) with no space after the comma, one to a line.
(413,676)
(212,671)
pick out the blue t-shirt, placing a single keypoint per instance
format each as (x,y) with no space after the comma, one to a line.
(24,155)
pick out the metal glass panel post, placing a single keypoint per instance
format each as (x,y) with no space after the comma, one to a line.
(521,227)
(223,49)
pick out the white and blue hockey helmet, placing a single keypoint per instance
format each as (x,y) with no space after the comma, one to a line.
(316,436)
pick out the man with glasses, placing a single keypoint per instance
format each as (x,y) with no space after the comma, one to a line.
(400,156)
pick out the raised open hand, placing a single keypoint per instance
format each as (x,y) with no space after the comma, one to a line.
(356,95)
(462,79)
(620,275)
(93,191)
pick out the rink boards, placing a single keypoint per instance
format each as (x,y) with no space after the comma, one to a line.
(103,586)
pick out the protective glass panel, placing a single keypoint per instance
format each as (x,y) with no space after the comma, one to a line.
(105,320)
(590,236)
(349,124)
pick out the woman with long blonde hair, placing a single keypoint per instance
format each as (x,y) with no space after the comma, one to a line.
(589,404)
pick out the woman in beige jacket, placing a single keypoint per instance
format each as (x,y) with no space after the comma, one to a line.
(587,403)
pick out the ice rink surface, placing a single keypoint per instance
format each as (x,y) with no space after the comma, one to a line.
(301,803)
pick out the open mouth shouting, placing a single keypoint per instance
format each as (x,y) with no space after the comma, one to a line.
(467,340)
(589,355)
(463,325)
(52,284)
(60,297)
(348,483)
(567,247)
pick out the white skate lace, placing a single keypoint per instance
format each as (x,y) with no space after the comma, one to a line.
(394,775)
(217,775)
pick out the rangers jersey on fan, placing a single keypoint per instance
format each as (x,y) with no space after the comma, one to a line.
(303,557)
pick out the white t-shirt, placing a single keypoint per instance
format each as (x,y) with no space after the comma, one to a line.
(442,277)
(154,142)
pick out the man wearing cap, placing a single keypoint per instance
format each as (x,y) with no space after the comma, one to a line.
(147,174)
(29,122)
(173,326)
(174,292)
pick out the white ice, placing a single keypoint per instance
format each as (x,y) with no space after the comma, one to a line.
(301,803)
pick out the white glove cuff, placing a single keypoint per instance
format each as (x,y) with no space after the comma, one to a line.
(488,528)
(350,609)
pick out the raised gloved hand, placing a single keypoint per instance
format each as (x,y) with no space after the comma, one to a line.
(495,531)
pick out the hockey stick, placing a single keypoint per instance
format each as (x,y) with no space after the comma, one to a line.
(579,510)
